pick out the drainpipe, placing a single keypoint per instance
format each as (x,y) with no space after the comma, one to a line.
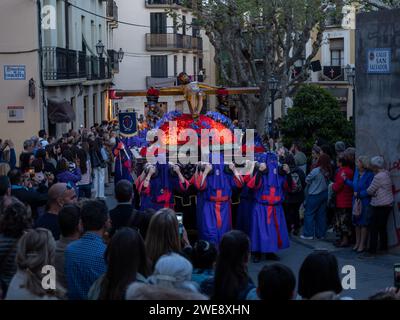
(40,51)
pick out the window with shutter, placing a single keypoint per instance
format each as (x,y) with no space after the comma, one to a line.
(158,23)
(159,66)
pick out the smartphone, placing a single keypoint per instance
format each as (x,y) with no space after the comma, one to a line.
(179,216)
(31,172)
(396,269)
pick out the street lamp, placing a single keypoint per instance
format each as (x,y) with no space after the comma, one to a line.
(351,79)
(121,54)
(273,88)
(100,48)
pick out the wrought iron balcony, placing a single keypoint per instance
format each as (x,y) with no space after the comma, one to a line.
(163,3)
(60,63)
(332,73)
(66,64)
(173,42)
(114,61)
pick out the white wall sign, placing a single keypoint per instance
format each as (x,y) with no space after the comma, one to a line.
(14,73)
(15,114)
(379,60)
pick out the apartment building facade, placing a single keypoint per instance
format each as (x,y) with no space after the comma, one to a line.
(336,53)
(51,70)
(78,61)
(162,41)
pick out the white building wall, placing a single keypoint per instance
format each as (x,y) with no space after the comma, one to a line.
(19,25)
(136,65)
(93,28)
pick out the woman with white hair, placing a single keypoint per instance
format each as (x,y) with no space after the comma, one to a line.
(382,199)
(175,272)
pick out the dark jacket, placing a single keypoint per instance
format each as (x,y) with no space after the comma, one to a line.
(120,216)
(8,266)
(207,288)
(28,196)
(97,159)
(50,222)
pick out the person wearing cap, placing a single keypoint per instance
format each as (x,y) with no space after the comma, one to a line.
(382,200)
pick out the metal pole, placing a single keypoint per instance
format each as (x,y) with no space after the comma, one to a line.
(354,105)
(273,114)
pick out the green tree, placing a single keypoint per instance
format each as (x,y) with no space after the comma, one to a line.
(256,40)
(315,114)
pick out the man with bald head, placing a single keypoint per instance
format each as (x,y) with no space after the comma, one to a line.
(60,194)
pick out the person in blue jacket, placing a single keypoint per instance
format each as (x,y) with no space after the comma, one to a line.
(360,183)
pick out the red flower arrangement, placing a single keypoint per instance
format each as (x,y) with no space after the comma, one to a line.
(222,92)
(153,92)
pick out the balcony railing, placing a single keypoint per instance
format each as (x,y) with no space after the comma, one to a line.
(60,63)
(114,62)
(332,73)
(66,64)
(163,3)
(173,42)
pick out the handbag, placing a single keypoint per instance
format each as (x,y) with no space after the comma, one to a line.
(357,208)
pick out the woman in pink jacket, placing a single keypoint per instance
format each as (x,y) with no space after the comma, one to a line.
(381,205)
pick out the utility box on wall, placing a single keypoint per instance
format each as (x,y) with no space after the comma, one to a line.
(378,97)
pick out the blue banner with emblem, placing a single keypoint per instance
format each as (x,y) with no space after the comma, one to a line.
(127,124)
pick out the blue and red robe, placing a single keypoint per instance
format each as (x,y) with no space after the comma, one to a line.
(214,203)
(160,191)
(245,208)
(268,232)
(123,162)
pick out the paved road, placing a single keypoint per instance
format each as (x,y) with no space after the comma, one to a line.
(371,275)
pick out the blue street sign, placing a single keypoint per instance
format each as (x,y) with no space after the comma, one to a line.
(14,72)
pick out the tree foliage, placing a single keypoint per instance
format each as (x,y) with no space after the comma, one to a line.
(256,40)
(315,114)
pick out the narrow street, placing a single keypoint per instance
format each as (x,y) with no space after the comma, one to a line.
(372,274)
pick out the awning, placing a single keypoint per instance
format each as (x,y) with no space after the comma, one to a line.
(60,110)
(339,93)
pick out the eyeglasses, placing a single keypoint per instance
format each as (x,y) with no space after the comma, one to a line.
(68,186)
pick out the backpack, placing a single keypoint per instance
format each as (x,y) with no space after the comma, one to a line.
(296,183)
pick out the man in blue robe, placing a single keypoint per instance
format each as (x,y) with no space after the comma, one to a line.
(159,185)
(215,186)
(268,227)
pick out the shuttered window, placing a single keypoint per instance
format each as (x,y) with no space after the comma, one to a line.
(158,22)
(159,66)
